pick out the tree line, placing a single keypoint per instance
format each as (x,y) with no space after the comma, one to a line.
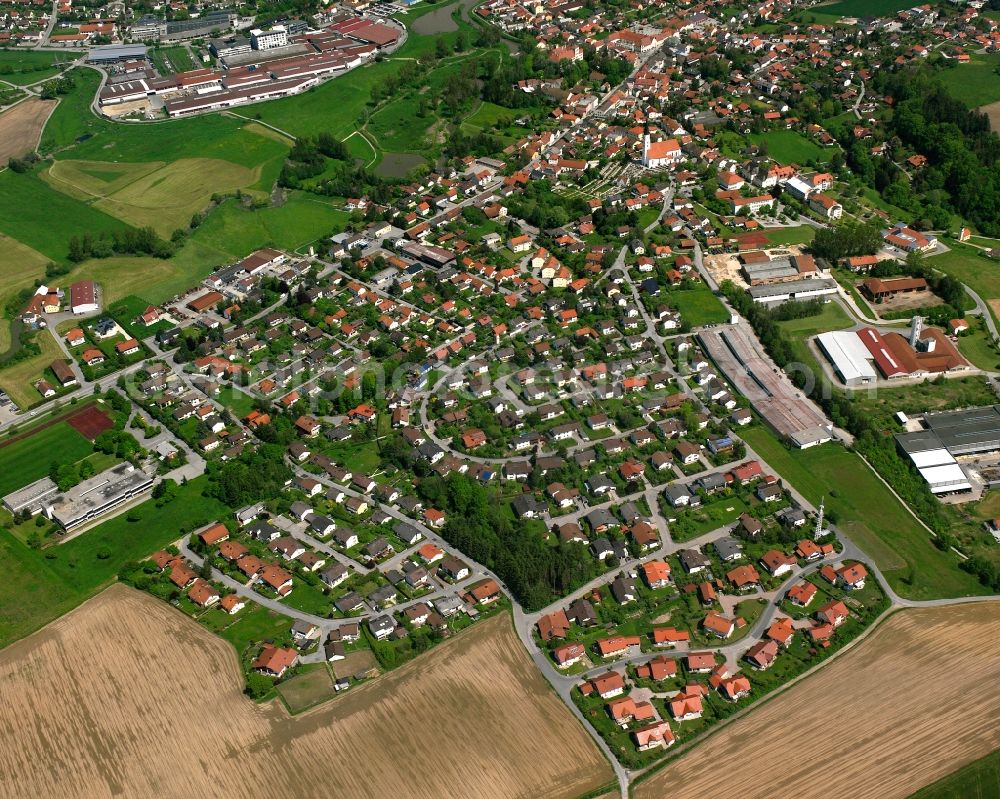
(130,241)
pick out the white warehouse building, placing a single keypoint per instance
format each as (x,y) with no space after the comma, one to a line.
(849,357)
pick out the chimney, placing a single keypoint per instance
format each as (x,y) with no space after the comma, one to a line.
(916,328)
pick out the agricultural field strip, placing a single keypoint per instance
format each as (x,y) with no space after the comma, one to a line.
(496,727)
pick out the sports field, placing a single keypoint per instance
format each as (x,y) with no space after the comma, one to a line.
(472,718)
(168,60)
(890,535)
(27,460)
(862,720)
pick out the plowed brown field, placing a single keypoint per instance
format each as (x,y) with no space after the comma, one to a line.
(910,704)
(21,126)
(126,697)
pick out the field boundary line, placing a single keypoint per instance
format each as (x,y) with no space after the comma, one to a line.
(264,124)
(360,133)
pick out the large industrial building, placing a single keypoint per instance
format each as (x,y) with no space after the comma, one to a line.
(850,358)
(758,268)
(737,352)
(855,355)
(798,290)
(950,435)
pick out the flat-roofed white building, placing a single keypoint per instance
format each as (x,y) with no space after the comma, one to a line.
(848,356)
(269,39)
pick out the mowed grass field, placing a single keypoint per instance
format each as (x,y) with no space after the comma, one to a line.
(29,459)
(20,266)
(863,719)
(832,317)
(803,234)
(39,586)
(978,780)
(161,196)
(698,306)
(473,718)
(868,512)
(22,67)
(976,83)
(45,219)
(788,146)
(864,8)
(973,268)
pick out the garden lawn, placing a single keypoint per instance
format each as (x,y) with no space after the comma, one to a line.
(698,306)
(868,512)
(253,624)
(788,146)
(237,401)
(40,586)
(832,317)
(17,378)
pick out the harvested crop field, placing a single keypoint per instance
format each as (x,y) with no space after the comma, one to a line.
(21,126)
(910,704)
(124,696)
